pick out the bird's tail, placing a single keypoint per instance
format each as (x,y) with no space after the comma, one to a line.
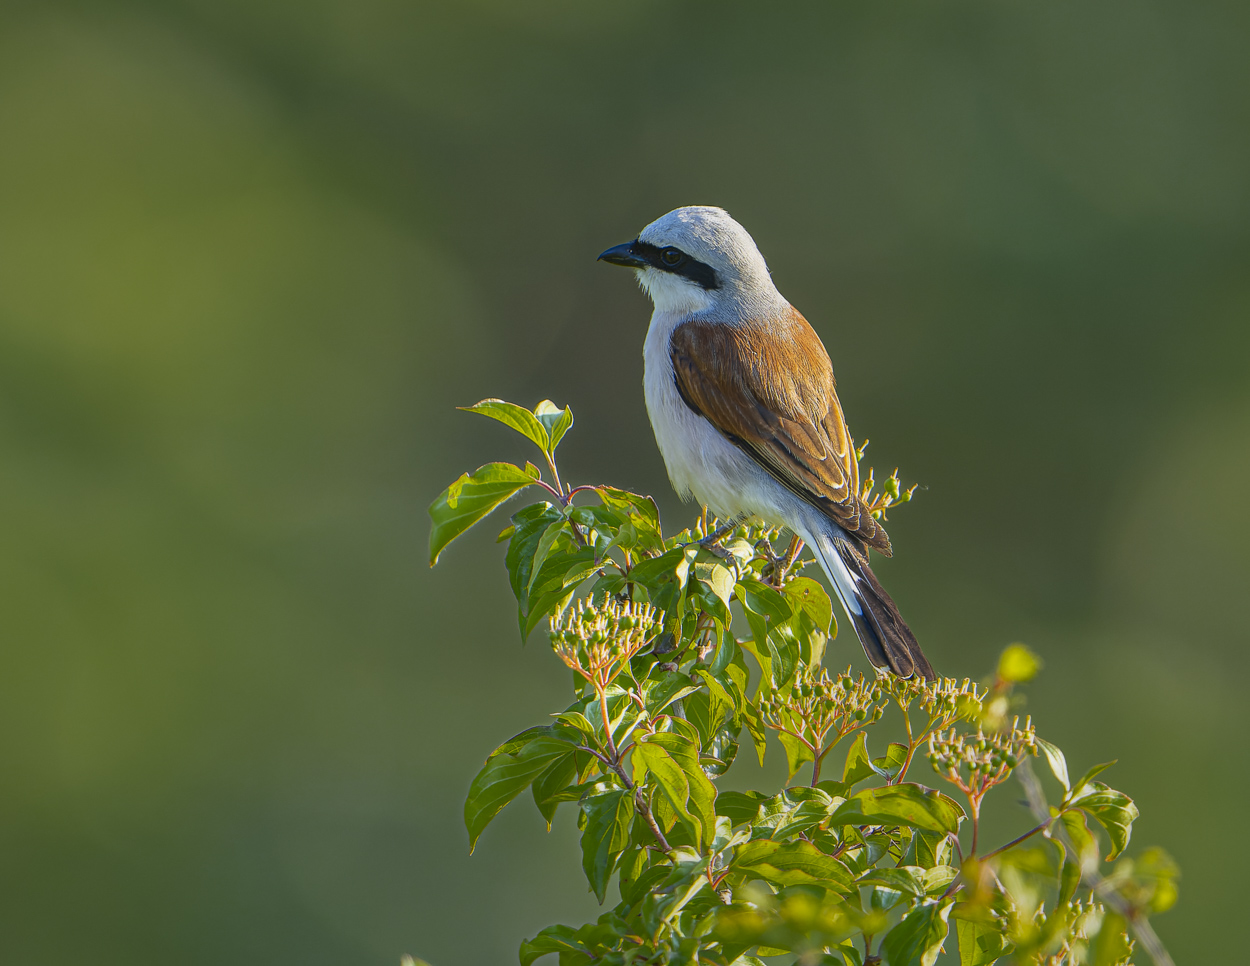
(886,638)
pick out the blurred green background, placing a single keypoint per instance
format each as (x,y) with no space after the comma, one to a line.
(253,253)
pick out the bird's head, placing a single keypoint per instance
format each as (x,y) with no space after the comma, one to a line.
(697,258)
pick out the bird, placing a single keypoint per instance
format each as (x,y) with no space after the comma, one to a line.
(741,396)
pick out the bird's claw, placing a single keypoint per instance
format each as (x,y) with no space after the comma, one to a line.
(711,543)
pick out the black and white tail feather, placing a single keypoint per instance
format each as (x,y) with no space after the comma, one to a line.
(887,640)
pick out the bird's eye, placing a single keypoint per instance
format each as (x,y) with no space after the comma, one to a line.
(671,256)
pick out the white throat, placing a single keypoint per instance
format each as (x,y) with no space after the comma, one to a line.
(672,294)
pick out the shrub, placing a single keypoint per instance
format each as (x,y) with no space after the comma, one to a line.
(683,647)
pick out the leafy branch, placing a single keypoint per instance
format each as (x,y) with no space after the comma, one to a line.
(683,646)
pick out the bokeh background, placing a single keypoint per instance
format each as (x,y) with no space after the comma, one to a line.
(252,252)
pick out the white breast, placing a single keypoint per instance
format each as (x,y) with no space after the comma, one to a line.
(701,462)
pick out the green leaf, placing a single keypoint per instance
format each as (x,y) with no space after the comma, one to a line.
(671,565)
(981,941)
(545,606)
(739,807)
(1079,786)
(910,880)
(665,904)
(577,721)
(917,939)
(930,849)
(706,600)
(755,728)
(558,775)
(587,517)
(726,656)
(786,654)
(833,788)
(514,416)
(471,498)
(777,810)
(1069,881)
(721,752)
(903,804)
(558,577)
(850,955)
(1058,763)
(641,512)
(575,793)
(529,526)
(542,550)
(652,759)
(1116,813)
(701,791)
(722,702)
(883,898)
(797,753)
(1110,946)
(631,864)
(706,712)
(793,863)
(1075,824)
(718,578)
(623,713)
(857,767)
(810,815)
(555,421)
(806,595)
(645,882)
(508,772)
(761,648)
(887,765)
(605,836)
(938,878)
(659,695)
(759,598)
(553,939)
(680,737)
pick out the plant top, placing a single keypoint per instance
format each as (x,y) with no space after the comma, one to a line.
(682,646)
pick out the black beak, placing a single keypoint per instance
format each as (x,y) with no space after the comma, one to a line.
(626,255)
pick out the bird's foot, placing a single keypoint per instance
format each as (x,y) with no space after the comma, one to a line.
(711,543)
(778,567)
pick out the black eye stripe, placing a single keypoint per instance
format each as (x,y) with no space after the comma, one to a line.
(698,272)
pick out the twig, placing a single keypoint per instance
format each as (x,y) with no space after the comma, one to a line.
(1018,839)
(555,475)
(614,760)
(912,745)
(553,491)
(787,561)
(644,809)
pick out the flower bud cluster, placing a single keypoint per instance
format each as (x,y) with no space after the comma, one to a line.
(1085,919)
(597,639)
(976,762)
(878,503)
(820,704)
(950,700)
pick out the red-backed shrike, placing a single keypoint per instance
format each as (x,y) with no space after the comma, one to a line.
(740,392)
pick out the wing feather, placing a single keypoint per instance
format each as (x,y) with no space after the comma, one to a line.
(769,388)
